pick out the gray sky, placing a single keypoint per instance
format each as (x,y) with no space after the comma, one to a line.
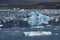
(22,1)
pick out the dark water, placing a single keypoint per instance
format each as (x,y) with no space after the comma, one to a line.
(7,34)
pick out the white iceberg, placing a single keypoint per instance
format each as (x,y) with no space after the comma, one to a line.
(37,33)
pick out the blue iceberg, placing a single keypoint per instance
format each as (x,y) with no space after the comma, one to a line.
(37,18)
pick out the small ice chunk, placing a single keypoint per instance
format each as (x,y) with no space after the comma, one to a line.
(38,27)
(1,25)
(56,20)
(25,19)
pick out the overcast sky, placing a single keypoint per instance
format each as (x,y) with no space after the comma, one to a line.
(21,1)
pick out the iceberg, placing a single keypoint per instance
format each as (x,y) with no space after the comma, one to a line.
(37,18)
(37,33)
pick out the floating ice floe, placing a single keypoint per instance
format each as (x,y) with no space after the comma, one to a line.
(37,33)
